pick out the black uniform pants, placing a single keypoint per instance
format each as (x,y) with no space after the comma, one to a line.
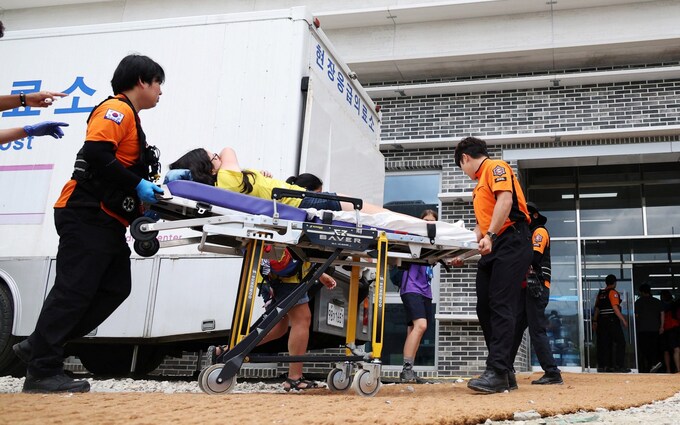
(92,280)
(498,285)
(531,313)
(610,340)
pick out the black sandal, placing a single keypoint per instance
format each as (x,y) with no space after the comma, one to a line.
(300,384)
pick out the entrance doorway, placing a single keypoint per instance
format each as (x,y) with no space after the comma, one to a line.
(593,280)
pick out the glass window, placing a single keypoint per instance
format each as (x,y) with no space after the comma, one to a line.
(410,194)
(604,251)
(562,309)
(611,210)
(662,202)
(553,190)
(650,249)
(559,207)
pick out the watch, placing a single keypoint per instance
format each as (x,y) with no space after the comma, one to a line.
(492,236)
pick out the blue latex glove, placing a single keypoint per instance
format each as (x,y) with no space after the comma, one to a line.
(178,174)
(146,190)
(46,128)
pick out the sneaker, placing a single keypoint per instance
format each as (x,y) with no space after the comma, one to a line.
(408,375)
(549,378)
(23,351)
(512,381)
(59,383)
(656,368)
(490,382)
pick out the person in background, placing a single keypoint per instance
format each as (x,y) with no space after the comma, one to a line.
(41,99)
(670,332)
(648,321)
(93,259)
(415,288)
(607,322)
(533,301)
(504,239)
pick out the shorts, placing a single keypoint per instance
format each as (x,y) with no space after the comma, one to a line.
(416,306)
(671,338)
(281,291)
(321,204)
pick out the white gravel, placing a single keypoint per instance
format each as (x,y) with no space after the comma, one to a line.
(14,385)
(664,412)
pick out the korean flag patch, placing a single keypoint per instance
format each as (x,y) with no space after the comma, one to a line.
(114,116)
(498,171)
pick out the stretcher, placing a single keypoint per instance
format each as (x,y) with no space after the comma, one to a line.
(236,224)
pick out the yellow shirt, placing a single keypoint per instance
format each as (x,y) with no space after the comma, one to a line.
(262,186)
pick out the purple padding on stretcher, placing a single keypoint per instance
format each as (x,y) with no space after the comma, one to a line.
(235,201)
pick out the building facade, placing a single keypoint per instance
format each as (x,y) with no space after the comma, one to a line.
(581,97)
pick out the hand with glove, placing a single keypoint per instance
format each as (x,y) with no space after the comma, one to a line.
(177,174)
(534,285)
(46,128)
(147,190)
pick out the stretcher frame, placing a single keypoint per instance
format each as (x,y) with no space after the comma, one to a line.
(231,232)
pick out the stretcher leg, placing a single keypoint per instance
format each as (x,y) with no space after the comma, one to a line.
(350,336)
(379,298)
(240,324)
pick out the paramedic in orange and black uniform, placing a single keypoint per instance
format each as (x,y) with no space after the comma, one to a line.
(607,321)
(93,259)
(505,245)
(534,299)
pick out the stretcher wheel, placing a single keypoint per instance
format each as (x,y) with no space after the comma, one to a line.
(200,379)
(209,383)
(338,381)
(364,385)
(147,248)
(136,229)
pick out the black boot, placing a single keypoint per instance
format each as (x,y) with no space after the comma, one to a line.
(491,381)
(549,378)
(23,351)
(59,383)
(512,381)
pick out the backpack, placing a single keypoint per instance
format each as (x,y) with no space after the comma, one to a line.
(287,266)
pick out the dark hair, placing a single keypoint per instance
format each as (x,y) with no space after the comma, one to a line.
(472,146)
(198,162)
(433,213)
(2,29)
(610,279)
(246,184)
(307,180)
(134,68)
(645,289)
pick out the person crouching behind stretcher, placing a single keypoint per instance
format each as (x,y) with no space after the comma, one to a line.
(223,170)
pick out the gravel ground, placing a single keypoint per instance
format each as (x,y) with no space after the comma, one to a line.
(659,412)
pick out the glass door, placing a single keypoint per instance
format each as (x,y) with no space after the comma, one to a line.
(593,280)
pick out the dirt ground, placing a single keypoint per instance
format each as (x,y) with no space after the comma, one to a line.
(443,403)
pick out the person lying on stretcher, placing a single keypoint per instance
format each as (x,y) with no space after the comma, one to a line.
(223,170)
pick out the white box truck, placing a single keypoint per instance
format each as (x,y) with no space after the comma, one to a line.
(268,84)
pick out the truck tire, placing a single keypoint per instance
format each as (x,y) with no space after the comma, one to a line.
(9,363)
(116,359)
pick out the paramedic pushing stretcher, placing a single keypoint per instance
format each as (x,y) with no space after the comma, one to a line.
(101,199)
(504,238)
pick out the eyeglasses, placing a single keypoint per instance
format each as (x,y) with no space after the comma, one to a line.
(215,156)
